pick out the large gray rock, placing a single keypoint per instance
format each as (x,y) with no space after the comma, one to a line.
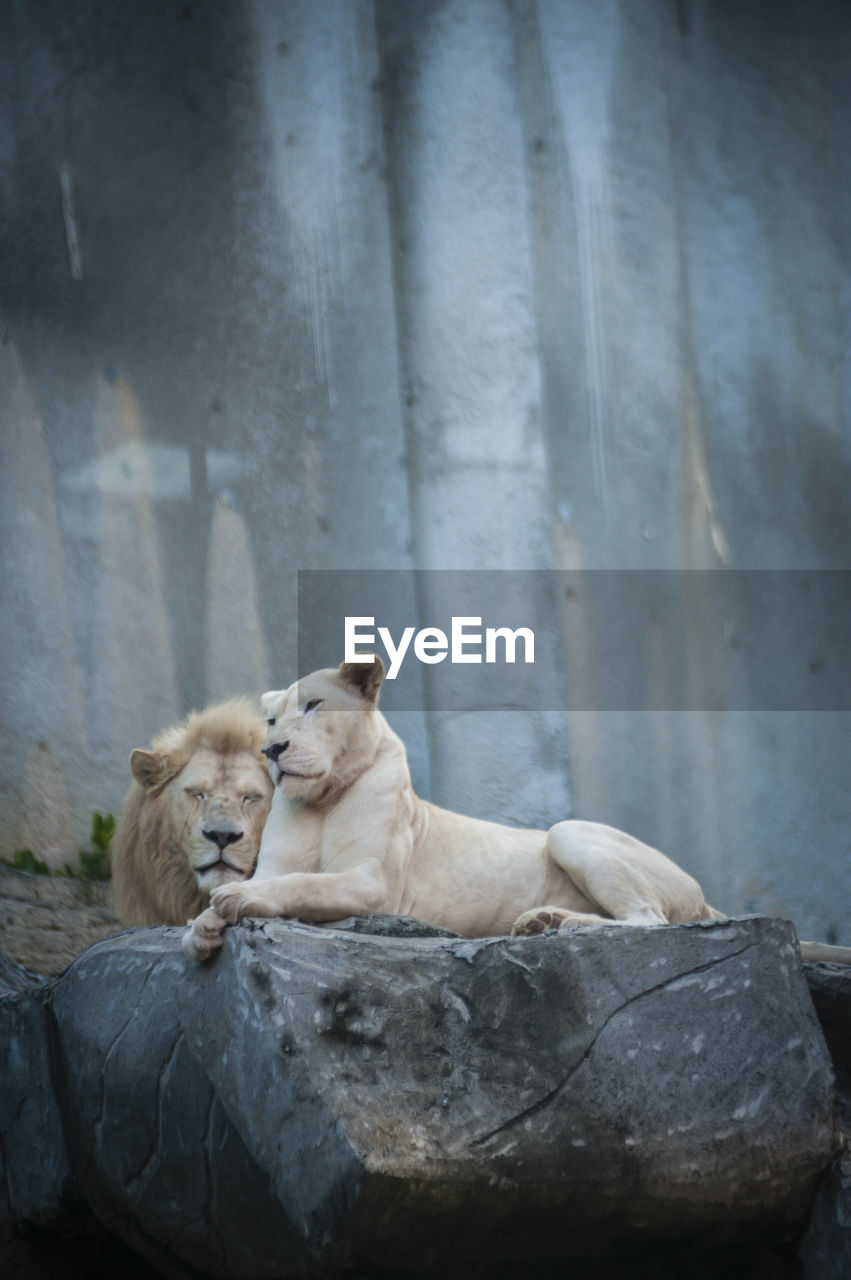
(14,977)
(830,989)
(315,1100)
(826,1247)
(46,1229)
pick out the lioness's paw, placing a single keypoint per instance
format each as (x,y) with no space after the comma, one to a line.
(538,920)
(230,901)
(203,938)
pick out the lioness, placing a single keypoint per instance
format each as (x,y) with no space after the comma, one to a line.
(346,835)
(193,817)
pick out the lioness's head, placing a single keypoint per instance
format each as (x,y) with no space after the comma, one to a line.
(195,819)
(323,730)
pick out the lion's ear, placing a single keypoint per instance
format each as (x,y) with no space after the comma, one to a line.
(366,677)
(146,768)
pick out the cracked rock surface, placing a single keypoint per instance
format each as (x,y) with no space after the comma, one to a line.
(318,1100)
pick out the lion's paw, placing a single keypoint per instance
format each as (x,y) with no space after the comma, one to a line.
(538,920)
(204,937)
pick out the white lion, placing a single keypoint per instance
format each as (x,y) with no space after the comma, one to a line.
(193,817)
(346,835)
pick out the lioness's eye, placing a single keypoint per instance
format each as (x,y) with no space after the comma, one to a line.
(271,723)
(309,706)
(195,794)
(250,799)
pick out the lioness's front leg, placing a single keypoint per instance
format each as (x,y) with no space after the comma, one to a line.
(203,938)
(318,896)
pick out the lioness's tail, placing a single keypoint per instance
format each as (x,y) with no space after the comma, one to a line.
(823,953)
(811,952)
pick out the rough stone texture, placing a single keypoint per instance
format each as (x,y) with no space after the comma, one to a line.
(315,1100)
(385,926)
(47,921)
(826,1248)
(830,989)
(46,1229)
(15,977)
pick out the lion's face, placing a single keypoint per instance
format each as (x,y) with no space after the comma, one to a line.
(208,814)
(218,805)
(193,819)
(322,733)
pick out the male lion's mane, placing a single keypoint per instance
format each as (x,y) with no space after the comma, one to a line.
(152,880)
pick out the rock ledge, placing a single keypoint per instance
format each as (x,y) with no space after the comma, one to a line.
(318,1100)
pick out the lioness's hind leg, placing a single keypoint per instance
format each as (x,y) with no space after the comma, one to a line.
(540,919)
(625,879)
(203,937)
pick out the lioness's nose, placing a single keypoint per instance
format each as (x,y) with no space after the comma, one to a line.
(276,749)
(223,838)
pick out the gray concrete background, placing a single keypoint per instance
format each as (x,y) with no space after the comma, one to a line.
(445,284)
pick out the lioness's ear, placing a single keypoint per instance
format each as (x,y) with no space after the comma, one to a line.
(268,700)
(366,677)
(146,767)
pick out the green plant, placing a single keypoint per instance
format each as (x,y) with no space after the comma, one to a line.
(95,863)
(25,860)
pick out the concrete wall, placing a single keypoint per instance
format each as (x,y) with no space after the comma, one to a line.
(522,284)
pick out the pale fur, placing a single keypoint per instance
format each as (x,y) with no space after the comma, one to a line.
(159,848)
(347,835)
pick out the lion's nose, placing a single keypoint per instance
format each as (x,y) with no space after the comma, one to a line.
(223,838)
(276,749)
